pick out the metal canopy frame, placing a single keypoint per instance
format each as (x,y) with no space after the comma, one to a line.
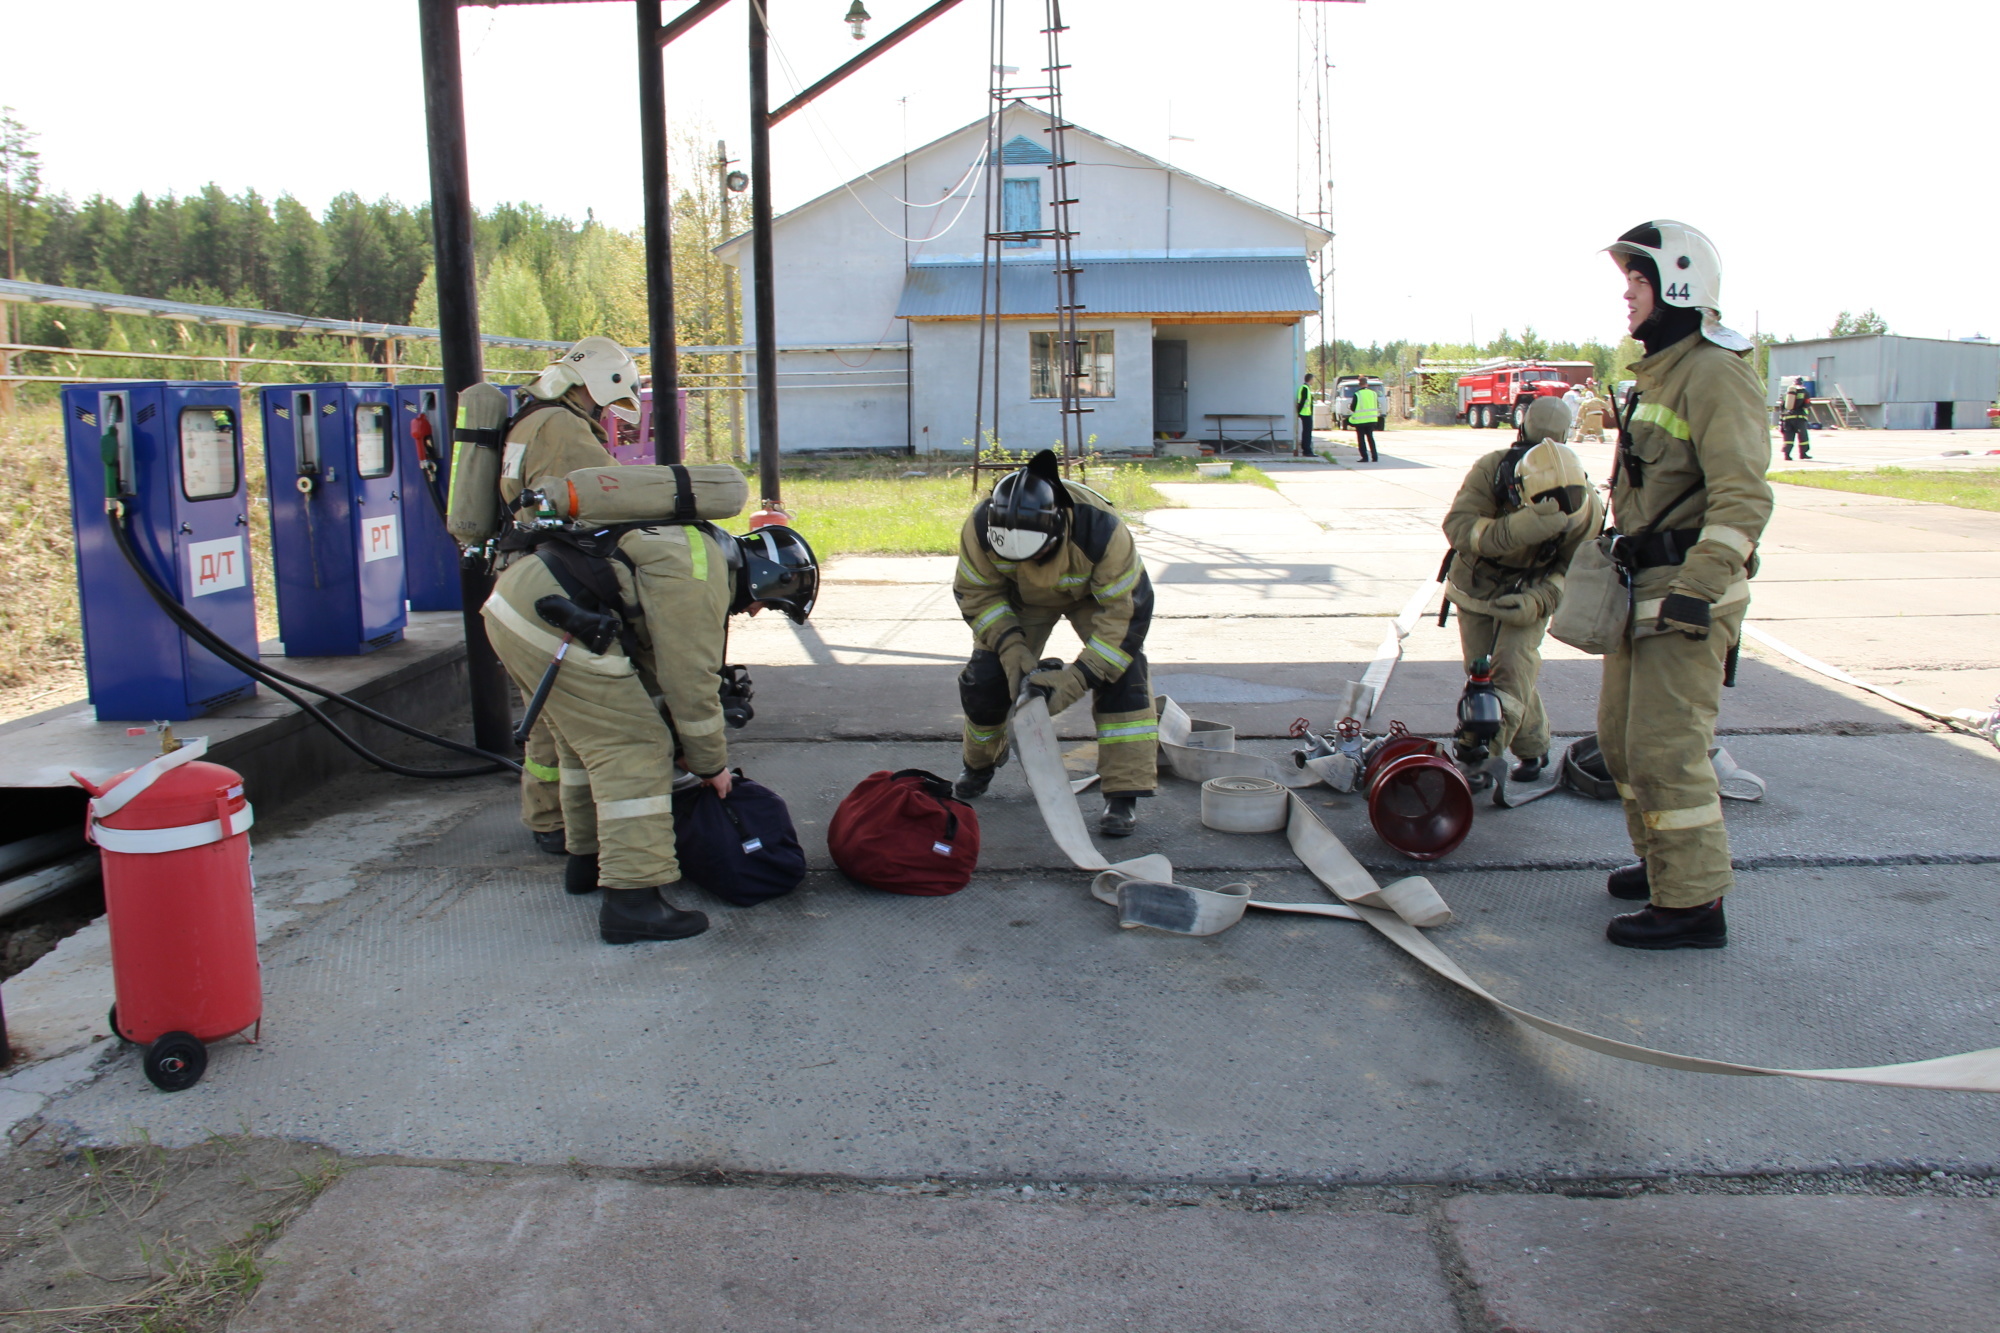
(457,276)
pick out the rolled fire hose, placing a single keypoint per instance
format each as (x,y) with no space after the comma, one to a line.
(1244,805)
(1152,903)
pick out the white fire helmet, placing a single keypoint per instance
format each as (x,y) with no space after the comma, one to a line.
(1546,419)
(606,371)
(1690,273)
(1551,469)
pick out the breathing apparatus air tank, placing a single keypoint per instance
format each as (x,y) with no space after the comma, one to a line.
(1479,714)
(474,516)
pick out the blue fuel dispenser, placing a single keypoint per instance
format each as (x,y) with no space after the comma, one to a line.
(170,453)
(336,516)
(423,452)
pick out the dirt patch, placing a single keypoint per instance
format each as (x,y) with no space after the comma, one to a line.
(106,1241)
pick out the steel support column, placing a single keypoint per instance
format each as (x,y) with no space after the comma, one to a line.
(764,300)
(458,326)
(659,236)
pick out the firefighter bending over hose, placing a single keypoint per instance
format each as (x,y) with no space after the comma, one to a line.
(1518,518)
(1041,550)
(1688,497)
(627,720)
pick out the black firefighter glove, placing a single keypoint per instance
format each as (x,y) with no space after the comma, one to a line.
(1687,614)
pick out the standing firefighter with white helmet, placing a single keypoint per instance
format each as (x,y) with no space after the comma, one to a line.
(1689,500)
(1038,551)
(1517,520)
(554,432)
(616,597)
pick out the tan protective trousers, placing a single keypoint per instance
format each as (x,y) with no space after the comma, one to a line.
(541,788)
(1128,740)
(1656,725)
(615,756)
(1516,653)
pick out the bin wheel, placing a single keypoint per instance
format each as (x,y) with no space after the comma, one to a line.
(116,1031)
(176,1061)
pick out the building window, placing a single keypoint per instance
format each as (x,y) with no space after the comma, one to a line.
(1094,365)
(1021,210)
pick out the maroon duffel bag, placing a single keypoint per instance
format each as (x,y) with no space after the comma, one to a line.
(906,833)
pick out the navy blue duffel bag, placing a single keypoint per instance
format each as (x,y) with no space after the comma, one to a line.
(743,850)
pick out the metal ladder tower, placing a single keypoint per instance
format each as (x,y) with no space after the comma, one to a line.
(1066,346)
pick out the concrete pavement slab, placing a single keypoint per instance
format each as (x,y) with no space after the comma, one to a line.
(1691,1264)
(461,1252)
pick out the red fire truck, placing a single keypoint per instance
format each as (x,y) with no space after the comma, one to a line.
(1496,395)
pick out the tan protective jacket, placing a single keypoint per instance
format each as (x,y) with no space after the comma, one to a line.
(1096,562)
(551,444)
(679,579)
(1700,419)
(1488,559)
(1592,405)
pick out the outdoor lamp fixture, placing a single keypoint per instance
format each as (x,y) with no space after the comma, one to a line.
(737,182)
(857,16)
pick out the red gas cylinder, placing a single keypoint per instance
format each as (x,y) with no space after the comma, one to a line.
(770,516)
(174,842)
(1418,801)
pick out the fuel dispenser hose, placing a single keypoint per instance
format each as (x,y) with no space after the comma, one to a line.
(279,681)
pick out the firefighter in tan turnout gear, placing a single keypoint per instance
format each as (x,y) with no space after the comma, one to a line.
(1689,500)
(1517,520)
(625,700)
(1038,551)
(555,432)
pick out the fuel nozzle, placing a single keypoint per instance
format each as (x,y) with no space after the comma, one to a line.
(1479,714)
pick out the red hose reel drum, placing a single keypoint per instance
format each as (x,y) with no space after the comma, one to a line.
(173,838)
(1418,801)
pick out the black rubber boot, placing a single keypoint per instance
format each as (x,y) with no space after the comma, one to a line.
(1529,769)
(552,843)
(631,915)
(1654,927)
(1120,817)
(580,874)
(973,782)
(1629,883)
(1788,455)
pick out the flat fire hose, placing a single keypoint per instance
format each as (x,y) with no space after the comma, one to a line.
(1144,891)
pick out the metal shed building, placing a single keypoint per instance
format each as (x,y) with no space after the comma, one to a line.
(1896,383)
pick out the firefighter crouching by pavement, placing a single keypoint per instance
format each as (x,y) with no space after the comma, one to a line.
(1037,551)
(1795,419)
(617,717)
(1517,520)
(1591,414)
(1688,497)
(557,431)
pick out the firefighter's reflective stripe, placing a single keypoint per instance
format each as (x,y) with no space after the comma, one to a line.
(636,807)
(1694,816)
(146,841)
(1127,731)
(1665,418)
(537,637)
(574,777)
(1124,584)
(1648,611)
(972,575)
(1732,538)
(541,772)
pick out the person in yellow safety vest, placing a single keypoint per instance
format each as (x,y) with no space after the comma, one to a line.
(1040,550)
(1367,414)
(1306,418)
(1689,502)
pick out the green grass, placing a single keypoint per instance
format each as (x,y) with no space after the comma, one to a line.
(1967,490)
(868,507)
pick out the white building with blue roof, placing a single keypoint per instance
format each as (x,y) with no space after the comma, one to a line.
(1195,300)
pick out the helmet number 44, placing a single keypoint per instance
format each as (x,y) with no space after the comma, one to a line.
(1677,291)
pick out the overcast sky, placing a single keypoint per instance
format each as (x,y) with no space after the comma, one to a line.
(1840,152)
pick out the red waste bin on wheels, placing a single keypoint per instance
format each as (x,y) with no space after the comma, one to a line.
(173,837)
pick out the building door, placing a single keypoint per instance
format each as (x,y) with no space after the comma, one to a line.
(1943,421)
(1823,381)
(1170,387)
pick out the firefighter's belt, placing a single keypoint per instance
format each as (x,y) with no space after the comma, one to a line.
(1649,550)
(1146,895)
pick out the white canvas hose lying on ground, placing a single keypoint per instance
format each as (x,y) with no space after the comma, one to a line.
(1144,891)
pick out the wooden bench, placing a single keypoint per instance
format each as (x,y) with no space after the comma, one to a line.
(1264,438)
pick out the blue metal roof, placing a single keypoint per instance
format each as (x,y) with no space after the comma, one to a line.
(1260,286)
